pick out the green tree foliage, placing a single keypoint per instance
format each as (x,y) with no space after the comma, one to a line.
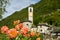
(0,12)
(54,18)
(3,4)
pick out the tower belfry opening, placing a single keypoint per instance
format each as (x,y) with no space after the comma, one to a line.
(30,10)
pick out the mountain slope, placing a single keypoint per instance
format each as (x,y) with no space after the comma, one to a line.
(42,10)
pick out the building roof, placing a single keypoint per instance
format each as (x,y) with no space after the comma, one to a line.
(33,26)
(49,28)
(27,21)
(43,24)
(56,31)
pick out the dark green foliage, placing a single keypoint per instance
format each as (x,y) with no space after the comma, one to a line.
(17,15)
(3,4)
(54,18)
(4,37)
(42,13)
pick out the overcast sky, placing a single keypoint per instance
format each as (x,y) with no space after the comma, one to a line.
(17,5)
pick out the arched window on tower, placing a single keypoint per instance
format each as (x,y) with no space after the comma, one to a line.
(30,10)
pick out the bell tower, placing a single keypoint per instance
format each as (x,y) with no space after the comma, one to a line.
(30,14)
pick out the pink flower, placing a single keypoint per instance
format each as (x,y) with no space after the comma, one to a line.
(32,33)
(4,29)
(12,33)
(38,38)
(19,26)
(24,30)
(16,22)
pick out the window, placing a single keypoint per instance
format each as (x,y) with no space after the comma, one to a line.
(41,30)
(30,10)
(41,26)
(27,24)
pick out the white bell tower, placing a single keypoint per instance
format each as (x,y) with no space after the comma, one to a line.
(30,14)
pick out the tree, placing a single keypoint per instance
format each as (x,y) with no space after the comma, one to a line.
(3,4)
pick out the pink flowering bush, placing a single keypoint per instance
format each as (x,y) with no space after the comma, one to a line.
(19,33)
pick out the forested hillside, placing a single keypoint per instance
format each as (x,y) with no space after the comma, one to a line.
(44,11)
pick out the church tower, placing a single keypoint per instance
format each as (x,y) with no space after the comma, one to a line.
(30,14)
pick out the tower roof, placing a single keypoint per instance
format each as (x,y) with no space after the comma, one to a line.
(27,21)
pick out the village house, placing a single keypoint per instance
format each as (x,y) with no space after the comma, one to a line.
(56,33)
(34,28)
(44,28)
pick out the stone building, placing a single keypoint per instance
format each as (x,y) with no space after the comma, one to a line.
(56,33)
(44,28)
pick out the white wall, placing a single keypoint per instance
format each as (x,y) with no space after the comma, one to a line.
(28,26)
(43,28)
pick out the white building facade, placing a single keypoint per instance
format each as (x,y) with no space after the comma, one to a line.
(43,28)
